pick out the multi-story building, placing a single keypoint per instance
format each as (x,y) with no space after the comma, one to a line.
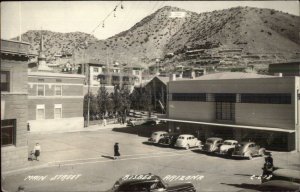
(55,101)
(14,61)
(99,74)
(241,106)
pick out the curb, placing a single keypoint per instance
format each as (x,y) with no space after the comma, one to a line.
(17,171)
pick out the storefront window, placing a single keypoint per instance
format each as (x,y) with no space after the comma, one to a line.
(8,132)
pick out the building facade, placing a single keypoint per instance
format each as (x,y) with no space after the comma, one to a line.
(55,101)
(285,69)
(14,144)
(240,106)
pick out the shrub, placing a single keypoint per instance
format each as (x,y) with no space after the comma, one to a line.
(269,33)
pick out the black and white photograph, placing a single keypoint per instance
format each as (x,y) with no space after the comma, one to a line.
(150,96)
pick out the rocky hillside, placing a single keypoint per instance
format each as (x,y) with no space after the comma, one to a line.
(240,36)
(236,36)
(57,43)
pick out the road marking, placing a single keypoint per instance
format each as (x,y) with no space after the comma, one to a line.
(138,154)
(135,158)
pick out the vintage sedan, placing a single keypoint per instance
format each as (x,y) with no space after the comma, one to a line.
(148,183)
(212,144)
(248,150)
(186,141)
(227,147)
(169,139)
(156,136)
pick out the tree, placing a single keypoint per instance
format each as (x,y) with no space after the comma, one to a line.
(94,110)
(102,100)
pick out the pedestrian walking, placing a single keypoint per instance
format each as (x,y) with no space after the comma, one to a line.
(37,151)
(104,122)
(116,151)
(28,127)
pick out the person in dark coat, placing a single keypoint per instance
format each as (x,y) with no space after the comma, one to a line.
(116,151)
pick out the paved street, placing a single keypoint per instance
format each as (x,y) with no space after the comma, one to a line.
(81,161)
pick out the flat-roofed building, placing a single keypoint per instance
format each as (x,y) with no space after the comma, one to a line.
(55,101)
(241,106)
(14,61)
(285,69)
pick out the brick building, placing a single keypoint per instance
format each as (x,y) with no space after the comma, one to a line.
(14,60)
(55,101)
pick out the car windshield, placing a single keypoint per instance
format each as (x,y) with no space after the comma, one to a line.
(154,134)
(181,137)
(209,141)
(228,143)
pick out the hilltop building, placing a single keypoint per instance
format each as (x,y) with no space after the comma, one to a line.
(240,106)
(14,145)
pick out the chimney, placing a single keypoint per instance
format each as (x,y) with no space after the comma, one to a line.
(172,77)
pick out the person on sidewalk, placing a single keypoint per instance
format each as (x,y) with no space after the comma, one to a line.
(21,189)
(104,122)
(116,151)
(37,151)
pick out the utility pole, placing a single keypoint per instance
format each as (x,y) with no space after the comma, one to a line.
(86,63)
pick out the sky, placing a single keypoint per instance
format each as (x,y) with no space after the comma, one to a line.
(70,16)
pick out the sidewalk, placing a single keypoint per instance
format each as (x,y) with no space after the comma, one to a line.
(56,147)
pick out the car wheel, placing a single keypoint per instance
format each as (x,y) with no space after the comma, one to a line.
(262,152)
(250,156)
(187,147)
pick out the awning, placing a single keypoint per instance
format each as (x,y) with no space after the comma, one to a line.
(230,125)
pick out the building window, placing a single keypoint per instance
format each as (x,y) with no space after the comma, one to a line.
(225,97)
(280,98)
(41,80)
(5,81)
(189,97)
(57,111)
(95,77)
(96,69)
(40,112)
(8,132)
(225,111)
(41,90)
(58,80)
(58,90)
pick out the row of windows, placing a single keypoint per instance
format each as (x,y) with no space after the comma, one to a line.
(40,111)
(41,90)
(281,98)
(189,97)
(266,98)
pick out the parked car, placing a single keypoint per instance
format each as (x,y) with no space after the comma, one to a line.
(141,121)
(227,147)
(212,144)
(169,139)
(149,183)
(290,175)
(186,141)
(249,150)
(156,136)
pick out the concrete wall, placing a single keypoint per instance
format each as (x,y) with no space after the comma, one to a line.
(265,115)
(194,111)
(64,124)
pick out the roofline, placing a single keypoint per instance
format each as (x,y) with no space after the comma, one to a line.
(50,74)
(15,41)
(231,125)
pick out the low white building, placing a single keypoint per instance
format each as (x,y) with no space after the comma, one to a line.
(241,106)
